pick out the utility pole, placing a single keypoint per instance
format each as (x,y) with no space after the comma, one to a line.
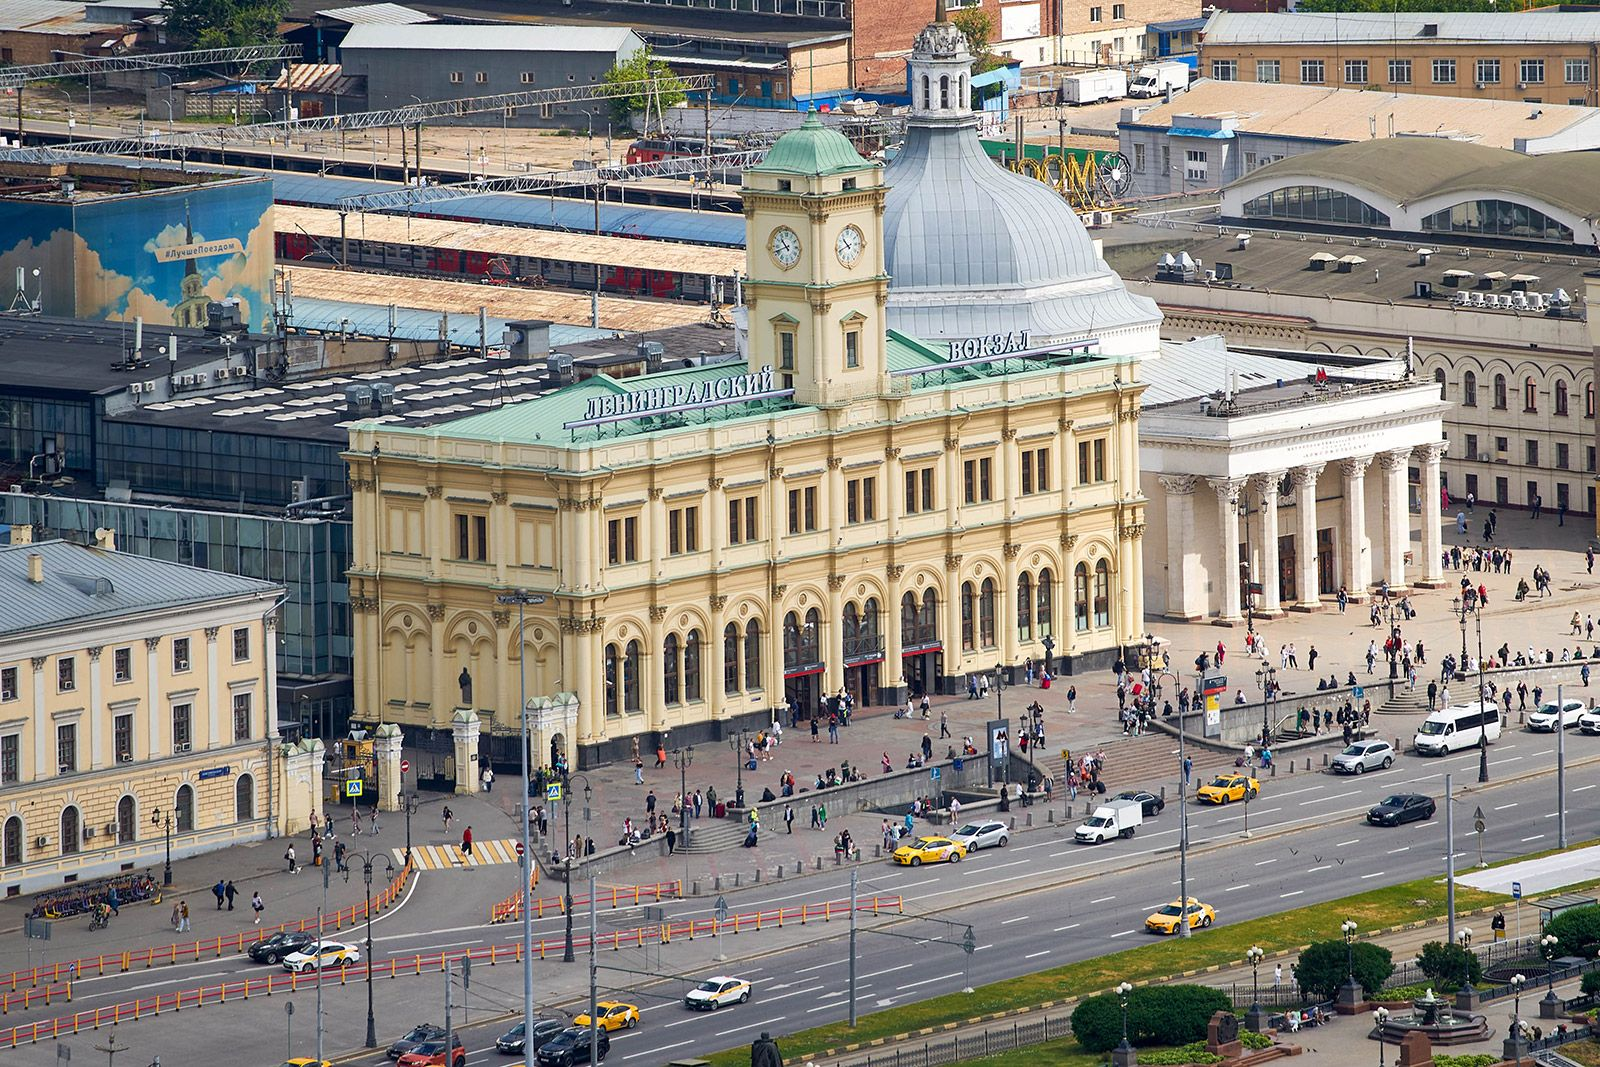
(1561,771)
(1450,858)
(852,947)
(594,990)
(318,950)
(449,1027)
(1183,810)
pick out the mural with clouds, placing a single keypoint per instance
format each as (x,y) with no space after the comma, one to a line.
(162,255)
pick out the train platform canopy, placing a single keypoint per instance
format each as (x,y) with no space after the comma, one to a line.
(416,324)
(721,228)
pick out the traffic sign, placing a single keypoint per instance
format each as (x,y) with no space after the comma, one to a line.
(722,909)
(1516,890)
(519,848)
(1358,692)
(405,766)
(1478,823)
(935,773)
(552,792)
(352,788)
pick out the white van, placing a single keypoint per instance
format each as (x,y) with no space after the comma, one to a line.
(1456,728)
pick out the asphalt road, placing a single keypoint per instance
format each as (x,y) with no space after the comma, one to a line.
(1308,844)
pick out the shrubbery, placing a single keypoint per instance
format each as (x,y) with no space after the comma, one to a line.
(1450,963)
(1590,985)
(1577,930)
(1464,1061)
(1157,1015)
(1322,968)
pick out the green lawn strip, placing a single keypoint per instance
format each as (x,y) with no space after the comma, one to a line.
(1373,910)
(1063,1053)
(1584,1052)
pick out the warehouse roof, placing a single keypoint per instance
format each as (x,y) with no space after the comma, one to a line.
(83,584)
(493,38)
(1371,27)
(376,14)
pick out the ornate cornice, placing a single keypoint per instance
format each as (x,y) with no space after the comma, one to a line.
(578,503)
(364,605)
(1132,531)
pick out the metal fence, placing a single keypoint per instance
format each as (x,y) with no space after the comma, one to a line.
(1542,977)
(1491,954)
(938,1050)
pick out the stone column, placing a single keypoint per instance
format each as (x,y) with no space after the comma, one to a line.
(1185,585)
(502,535)
(654,665)
(213,712)
(156,711)
(716,696)
(298,791)
(1005,610)
(1357,570)
(1271,603)
(464,727)
(833,633)
(1432,570)
(96,740)
(445,695)
(1007,486)
(1305,506)
(893,669)
(269,671)
(894,500)
(955,657)
(387,741)
(952,482)
(1396,516)
(833,501)
(716,521)
(1227,575)
(656,536)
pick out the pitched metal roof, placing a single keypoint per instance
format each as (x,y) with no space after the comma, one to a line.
(376,14)
(83,584)
(1254,27)
(494,38)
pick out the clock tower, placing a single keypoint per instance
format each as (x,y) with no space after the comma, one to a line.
(816,287)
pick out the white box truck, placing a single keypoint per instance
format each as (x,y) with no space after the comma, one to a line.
(1155,79)
(1115,818)
(1093,86)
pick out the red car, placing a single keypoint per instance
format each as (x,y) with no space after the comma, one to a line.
(431,1054)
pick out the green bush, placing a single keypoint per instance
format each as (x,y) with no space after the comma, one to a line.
(1322,969)
(1252,1040)
(1414,990)
(1193,1052)
(1444,961)
(1577,930)
(1590,984)
(1157,1015)
(1464,1061)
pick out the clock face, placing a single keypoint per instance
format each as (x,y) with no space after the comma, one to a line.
(849,245)
(785,246)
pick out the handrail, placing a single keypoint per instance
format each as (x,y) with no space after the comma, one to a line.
(616,896)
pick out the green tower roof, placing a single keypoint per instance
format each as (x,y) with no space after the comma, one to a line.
(812,149)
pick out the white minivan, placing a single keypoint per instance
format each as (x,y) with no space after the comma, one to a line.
(1455,728)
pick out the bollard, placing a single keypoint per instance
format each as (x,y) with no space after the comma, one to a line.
(716,883)
(819,863)
(780,870)
(1029,818)
(1324,759)
(1274,770)
(1163,794)
(758,874)
(799,866)
(877,852)
(696,885)
(736,879)
(1308,763)
(1050,815)
(1291,766)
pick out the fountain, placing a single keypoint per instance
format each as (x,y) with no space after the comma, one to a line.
(1434,1016)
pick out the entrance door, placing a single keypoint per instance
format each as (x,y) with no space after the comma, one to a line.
(863,682)
(1327,585)
(1286,569)
(923,671)
(806,692)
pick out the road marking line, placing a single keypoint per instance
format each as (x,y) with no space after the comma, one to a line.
(1102,900)
(1324,867)
(1581,788)
(1124,933)
(1017,919)
(1503,807)
(1069,926)
(1241,885)
(926,981)
(1535,837)
(1263,863)
(1286,896)
(1375,874)
(1036,955)
(1352,841)
(1397,851)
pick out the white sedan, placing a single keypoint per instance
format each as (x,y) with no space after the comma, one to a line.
(322,955)
(716,992)
(1545,719)
(976,835)
(1589,721)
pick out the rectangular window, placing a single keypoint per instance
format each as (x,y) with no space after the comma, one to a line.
(1035,471)
(1577,72)
(1589,466)
(683,530)
(1311,72)
(852,349)
(1488,72)
(180,655)
(622,540)
(861,500)
(480,77)
(1268,70)
(527,77)
(8,683)
(1092,461)
(1563,460)
(10,762)
(455,77)
(1502,444)
(182,727)
(1444,72)
(1531,450)
(1119,11)
(1225,70)
(976,478)
(1355,72)
(803,510)
(919,490)
(1531,71)
(66,674)
(1095,14)
(1138,159)
(742,520)
(67,747)
(241,716)
(122,665)
(1472,447)
(122,736)
(241,644)
(1400,72)
(472,537)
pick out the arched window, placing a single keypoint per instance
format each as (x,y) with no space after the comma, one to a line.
(1500,392)
(244,799)
(1314,203)
(730,658)
(871,635)
(811,637)
(852,630)
(691,666)
(1588,400)
(631,666)
(927,96)
(1438,376)
(1497,218)
(1102,593)
(1561,398)
(1045,614)
(13,844)
(986,614)
(1024,607)
(752,656)
(1530,396)
(944,91)
(908,621)
(612,692)
(127,822)
(928,627)
(791,642)
(1469,390)
(968,636)
(185,809)
(1080,596)
(669,669)
(961,91)
(71,830)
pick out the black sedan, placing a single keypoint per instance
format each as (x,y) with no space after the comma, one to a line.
(417,1035)
(1150,802)
(273,949)
(1402,807)
(512,1041)
(571,1046)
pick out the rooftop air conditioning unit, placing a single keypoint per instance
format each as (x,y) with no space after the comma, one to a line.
(1478,85)
(40,842)
(126,757)
(181,746)
(1483,457)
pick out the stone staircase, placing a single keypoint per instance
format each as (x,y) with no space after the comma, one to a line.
(1146,762)
(714,835)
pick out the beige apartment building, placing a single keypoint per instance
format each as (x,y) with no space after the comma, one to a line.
(1540,57)
(132,690)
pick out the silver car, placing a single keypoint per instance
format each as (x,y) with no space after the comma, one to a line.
(1364,756)
(976,835)
(1544,720)
(1589,721)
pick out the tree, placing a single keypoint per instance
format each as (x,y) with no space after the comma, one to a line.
(224,23)
(1450,964)
(1322,967)
(977,27)
(1157,1015)
(1577,930)
(642,66)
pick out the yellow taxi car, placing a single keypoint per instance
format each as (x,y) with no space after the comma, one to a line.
(1226,787)
(930,850)
(1167,919)
(307,1061)
(614,1015)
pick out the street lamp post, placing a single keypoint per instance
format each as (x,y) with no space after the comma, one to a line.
(1124,1054)
(164,820)
(410,801)
(1460,607)
(566,794)
(738,746)
(1380,1015)
(367,860)
(1350,992)
(1255,1019)
(1551,1007)
(1513,1046)
(1183,804)
(1267,679)
(681,759)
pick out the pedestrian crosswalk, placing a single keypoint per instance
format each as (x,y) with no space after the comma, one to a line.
(450,857)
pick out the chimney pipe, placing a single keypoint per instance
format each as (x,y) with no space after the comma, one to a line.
(172,349)
(36,568)
(138,335)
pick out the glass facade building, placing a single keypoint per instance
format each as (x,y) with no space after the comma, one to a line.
(1498,218)
(1312,203)
(212,465)
(27,420)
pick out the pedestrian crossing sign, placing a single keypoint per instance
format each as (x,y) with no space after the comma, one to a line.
(352,788)
(552,792)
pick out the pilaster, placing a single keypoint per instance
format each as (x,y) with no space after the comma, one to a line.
(1228,491)
(1432,569)
(1185,582)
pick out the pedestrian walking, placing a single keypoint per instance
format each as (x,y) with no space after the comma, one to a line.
(230,892)
(822,813)
(788,818)
(487,778)
(650,804)
(944,725)
(219,891)
(257,906)
(1072,700)
(816,728)
(288,855)
(672,840)
(355,823)
(177,919)
(447,815)
(1277,977)
(638,771)
(183,916)
(466,842)
(374,821)
(338,858)
(816,818)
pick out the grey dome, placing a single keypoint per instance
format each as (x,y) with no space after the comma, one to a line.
(954,219)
